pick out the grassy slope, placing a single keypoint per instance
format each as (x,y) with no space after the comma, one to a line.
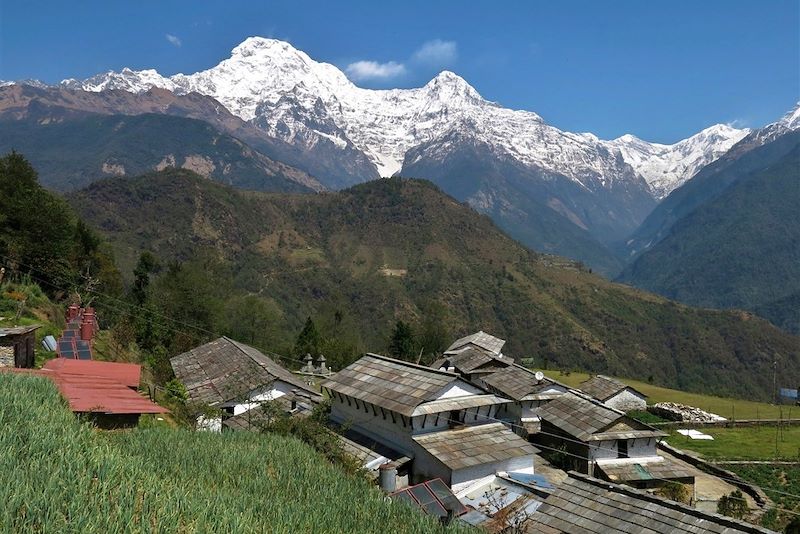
(306,251)
(724,406)
(57,475)
(745,443)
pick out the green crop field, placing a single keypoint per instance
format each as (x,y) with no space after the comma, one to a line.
(744,443)
(59,475)
(726,407)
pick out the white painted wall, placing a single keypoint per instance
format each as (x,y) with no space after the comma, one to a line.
(470,474)
(458,388)
(626,400)
(391,434)
(600,450)
(274,391)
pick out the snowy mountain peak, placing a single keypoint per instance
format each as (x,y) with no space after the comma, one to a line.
(791,121)
(667,167)
(312,104)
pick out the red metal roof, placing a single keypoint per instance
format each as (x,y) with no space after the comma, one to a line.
(102,395)
(127,374)
(86,391)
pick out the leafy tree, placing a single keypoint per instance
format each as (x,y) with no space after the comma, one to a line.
(253,320)
(146,265)
(401,343)
(308,341)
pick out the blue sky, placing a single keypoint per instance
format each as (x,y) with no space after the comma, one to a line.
(659,70)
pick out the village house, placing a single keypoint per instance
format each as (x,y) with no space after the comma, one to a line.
(528,389)
(17,346)
(445,425)
(474,356)
(586,504)
(225,378)
(604,442)
(614,393)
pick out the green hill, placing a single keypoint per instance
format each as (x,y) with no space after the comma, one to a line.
(386,250)
(741,249)
(59,475)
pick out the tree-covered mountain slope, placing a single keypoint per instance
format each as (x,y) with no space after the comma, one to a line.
(71,150)
(387,249)
(741,249)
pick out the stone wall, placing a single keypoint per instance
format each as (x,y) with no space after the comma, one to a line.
(6,356)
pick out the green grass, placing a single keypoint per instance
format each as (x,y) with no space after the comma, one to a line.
(58,475)
(744,443)
(726,407)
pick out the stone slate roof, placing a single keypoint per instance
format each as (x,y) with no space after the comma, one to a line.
(392,384)
(583,504)
(18,330)
(518,383)
(628,471)
(475,445)
(470,359)
(481,339)
(604,387)
(590,420)
(224,370)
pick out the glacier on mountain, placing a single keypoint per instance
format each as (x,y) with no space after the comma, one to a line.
(301,101)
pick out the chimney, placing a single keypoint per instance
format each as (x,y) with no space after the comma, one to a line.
(87,330)
(322,369)
(72,312)
(308,367)
(387,477)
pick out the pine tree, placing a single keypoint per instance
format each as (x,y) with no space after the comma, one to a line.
(308,341)
(401,344)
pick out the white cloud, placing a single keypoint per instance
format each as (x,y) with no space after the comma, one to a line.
(372,70)
(437,53)
(173,40)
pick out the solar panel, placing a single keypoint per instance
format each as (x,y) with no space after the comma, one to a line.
(66,349)
(428,501)
(69,334)
(444,495)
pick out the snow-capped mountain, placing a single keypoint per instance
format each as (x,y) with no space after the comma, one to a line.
(305,102)
(667,167)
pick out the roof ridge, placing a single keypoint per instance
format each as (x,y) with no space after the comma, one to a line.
(619,488)
(411,364)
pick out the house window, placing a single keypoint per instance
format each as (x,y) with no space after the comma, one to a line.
(622,448)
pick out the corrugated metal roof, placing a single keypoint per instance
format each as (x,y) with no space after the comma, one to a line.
(604,387)
(480,339)
(392,384)
(127,374)
(224,370)
(586,504)
(583,417)
(475,445)
(95,394)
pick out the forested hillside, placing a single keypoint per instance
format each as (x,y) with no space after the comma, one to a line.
(359,261)
(71,149)
(738,244)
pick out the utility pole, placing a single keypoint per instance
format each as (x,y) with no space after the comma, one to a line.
(774,381)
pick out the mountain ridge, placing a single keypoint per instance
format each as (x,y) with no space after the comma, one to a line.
(335,249)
